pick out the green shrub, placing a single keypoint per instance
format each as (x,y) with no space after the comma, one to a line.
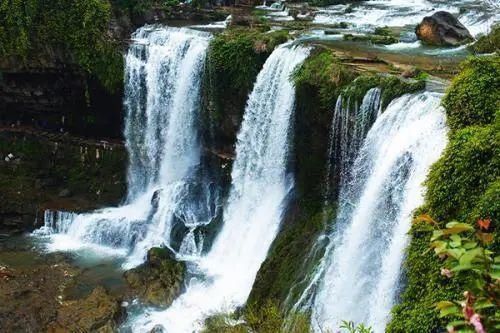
(266,318)
(462,175)
(425,286)
(285,266)
(488,43)
(393,87)
(357,90)
(78,29)
(238,54)
(234,59)
(324,72)
(474,95)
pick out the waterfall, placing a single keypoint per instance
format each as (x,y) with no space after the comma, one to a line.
(252,215)
(350,124)
(165,191)
(361,268)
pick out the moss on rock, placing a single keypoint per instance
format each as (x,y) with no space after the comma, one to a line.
(159,280)
(462,175)
(44,166)
(325,73)
(488,43)
(425,287)
(474,96)
(234,59)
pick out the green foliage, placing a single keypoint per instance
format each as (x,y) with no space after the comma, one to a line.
(325,73)
(488,43)
(351,328)
(356,90)
(474,96)
(393,87)
(425,287)
(263,319)
(464,253)
(238,54)
(234,59)
(35,28)
(286,266)
(459,180)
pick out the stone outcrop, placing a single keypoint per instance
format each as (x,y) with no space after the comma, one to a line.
(159,280)
(31,291)
(443,29)
(46,170)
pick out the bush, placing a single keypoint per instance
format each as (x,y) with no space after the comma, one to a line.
(35,28)
(460,178)
(488,43)
(424,288)
(238,54)
(324,72)
(474,95)
(392,87)
(234,59)
(262,319)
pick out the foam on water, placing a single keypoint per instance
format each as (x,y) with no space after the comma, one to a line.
(163,74)
(358,277)
(260,184)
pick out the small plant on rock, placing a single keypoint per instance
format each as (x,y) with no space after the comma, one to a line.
(463,249)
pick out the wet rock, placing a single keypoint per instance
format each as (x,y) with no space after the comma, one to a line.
(99,312)
(157,329)
(30,294)
(159,280)
(443,29)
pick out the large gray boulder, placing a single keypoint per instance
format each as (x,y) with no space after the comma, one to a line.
(443,29)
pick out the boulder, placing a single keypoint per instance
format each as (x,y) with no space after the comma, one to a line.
(443,29)
(99,312)
(159,280)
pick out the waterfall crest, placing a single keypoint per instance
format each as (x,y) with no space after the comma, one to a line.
(163,74)
(260,184)
(361,268)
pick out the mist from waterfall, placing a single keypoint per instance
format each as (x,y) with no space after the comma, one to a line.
(252,215)
(166,193)
(357,279)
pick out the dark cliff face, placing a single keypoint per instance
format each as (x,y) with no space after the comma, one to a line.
(61,100)
(49,91)
(43,170)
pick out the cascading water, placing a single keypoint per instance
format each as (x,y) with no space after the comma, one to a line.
(162,96)
(361,268)
(478,16)
(260,184)
(349,127)
(350,124)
